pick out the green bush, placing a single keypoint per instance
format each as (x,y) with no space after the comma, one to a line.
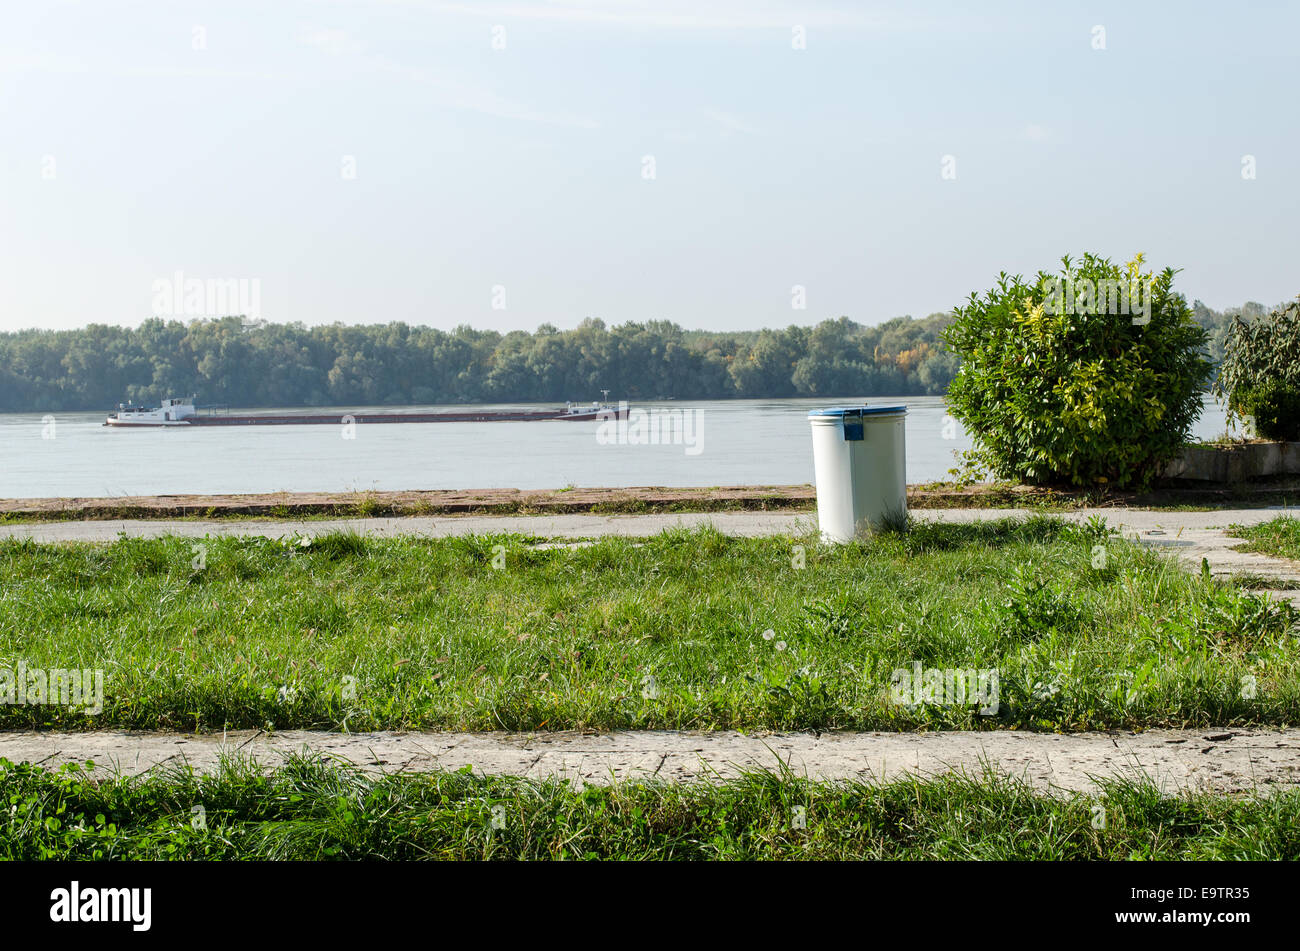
(1089,377)
(1260,376)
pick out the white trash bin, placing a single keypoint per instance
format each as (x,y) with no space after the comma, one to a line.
(860,469)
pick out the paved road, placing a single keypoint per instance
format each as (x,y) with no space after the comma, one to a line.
(1223,760)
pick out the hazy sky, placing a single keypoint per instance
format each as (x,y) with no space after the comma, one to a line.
(376,161)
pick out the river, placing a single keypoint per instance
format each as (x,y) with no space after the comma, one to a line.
(731,442)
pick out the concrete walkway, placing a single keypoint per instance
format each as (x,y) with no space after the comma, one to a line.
(544,526)
(1230,761)
(591,526)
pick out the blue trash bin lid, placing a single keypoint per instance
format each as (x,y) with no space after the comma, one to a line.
(842,411)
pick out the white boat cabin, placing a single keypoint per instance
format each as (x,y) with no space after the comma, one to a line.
(173,412)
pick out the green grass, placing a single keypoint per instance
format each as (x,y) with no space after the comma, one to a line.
(311,809)
(667,632)
(1279,537)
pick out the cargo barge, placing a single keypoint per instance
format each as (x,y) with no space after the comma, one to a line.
(183,412)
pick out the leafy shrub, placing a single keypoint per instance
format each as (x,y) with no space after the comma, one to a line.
(1089,377)
(1260,376)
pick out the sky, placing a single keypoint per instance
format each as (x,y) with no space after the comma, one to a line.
(725,165)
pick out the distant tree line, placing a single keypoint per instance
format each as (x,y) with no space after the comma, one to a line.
(242,363)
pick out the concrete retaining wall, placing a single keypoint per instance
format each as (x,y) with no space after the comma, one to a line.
(1236,463)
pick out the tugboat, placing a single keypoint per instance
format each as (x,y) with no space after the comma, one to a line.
(173,412)
(576,412)
(182,412)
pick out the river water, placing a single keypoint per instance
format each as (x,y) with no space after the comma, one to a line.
(731,442)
